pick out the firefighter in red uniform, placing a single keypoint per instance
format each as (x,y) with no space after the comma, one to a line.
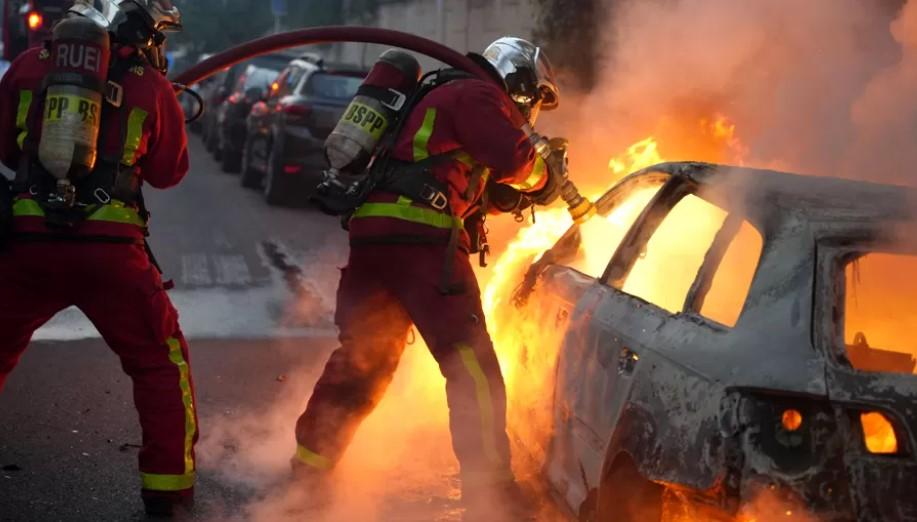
(91,253)
(460,153)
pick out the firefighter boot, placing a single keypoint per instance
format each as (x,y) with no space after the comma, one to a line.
(176,505)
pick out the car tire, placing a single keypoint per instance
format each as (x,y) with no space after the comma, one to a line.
(231,160)
(273,190)
(251,177)
(207,138)
(626,496)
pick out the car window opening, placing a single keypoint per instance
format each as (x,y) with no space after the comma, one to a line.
(601,236)
(335,86)
(880,311)
(669,264)
(732,280)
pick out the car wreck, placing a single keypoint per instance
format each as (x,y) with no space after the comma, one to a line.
(722,333)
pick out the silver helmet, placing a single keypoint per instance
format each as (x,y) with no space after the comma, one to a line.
(162,15)
(526,71)
(99,11)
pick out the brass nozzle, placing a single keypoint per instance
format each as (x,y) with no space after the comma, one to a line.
(580,208)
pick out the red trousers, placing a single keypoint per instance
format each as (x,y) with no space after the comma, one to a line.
(116,286)
(383,290)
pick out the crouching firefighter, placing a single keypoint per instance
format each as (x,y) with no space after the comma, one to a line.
(88,119)
(456,154)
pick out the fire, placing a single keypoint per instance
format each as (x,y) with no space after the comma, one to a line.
(642,154)
(527,339)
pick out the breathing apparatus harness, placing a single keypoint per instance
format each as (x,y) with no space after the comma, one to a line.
(416,181)
(109,182)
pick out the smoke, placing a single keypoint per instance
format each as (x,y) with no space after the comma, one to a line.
(821,87)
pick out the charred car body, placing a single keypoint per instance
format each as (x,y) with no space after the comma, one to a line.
(726,333)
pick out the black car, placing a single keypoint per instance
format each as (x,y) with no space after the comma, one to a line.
(217,89)
(250,88)
(286,133)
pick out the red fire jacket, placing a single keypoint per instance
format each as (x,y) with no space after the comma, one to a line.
(470,116)
(150,127)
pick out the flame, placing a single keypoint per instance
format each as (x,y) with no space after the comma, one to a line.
(528,339)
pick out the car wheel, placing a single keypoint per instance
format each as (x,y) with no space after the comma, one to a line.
(209,139)
(272,181)
(626,496)
(251,177)
(231,160)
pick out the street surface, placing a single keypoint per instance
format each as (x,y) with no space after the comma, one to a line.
(255,289)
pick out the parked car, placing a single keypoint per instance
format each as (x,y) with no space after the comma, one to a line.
(721,335)
(215,92)
(286,133)
(232,114)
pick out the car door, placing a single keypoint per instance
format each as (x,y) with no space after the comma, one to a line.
(867,315)
(559,308)
(642,314)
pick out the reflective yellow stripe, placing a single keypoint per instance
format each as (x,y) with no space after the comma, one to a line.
(465,158)
(22,116)
(420,215)
(422,138)
(156,482)
(310,458)
(134,134)
(539,170)
(485,401)
(187,398)
(116,212)
(27,207)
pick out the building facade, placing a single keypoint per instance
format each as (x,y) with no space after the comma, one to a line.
(464,25)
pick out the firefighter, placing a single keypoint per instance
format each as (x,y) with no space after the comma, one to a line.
(78,230)
(459,155)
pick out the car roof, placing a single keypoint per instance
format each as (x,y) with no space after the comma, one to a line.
(759,191)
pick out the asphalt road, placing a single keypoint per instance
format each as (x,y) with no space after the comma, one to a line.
(255,290)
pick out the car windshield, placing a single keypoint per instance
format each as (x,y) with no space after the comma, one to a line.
(333,86)
(259,78)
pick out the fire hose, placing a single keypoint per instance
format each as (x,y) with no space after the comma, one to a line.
(579,207)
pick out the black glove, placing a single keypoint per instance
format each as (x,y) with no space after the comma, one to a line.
(556,164)
(505,198)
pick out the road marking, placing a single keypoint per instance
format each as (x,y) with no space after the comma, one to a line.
(195,270)
(232,270)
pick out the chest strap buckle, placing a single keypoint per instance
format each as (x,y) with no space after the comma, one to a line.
(434,198)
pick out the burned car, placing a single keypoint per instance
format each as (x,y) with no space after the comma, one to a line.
(722,335)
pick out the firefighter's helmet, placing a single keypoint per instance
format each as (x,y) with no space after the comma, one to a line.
(526,71)
(99,11)
(161,15)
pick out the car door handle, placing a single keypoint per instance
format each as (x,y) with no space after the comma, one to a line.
(627,361)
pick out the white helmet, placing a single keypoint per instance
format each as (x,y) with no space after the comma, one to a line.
(527,73)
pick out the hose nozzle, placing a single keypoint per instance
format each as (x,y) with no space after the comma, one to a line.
(580,208)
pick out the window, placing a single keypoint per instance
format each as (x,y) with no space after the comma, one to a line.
(686,239)
(880,312)
(292,79)
(600,236)
(724,301)
(333,86)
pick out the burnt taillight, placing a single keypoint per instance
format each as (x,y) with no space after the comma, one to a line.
(878,433)
(791,419)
